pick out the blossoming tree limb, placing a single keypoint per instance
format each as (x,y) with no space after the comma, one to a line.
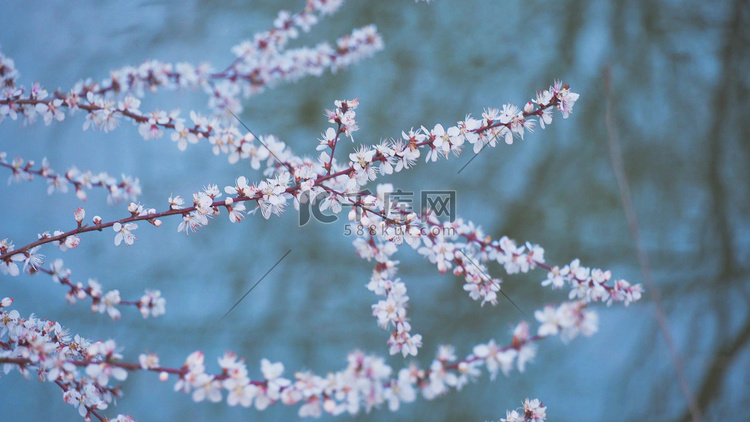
(83,369)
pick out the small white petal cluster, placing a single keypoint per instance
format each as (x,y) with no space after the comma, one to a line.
(567,320)
(591,284)
(152,304)
(532,411)
(391,311)
(345,116)
(30,259)
(273,195)
(362,43)
(203,209)
(8,76)
(477,249)
(105,303)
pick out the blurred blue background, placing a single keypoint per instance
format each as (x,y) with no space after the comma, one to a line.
(680,85)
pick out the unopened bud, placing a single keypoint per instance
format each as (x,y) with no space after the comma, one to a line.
(79,214)
(72,241)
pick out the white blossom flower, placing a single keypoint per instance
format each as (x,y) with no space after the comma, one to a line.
(176,202)
(191,222)
(534,410)
(124,232)
(152,304)
(33,260)
(148,361)
(183,136)
(109,304)
(102,371)
(495,358)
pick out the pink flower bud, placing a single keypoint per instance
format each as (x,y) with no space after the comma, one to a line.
(6,302)
(79,214)
(97,220)
(72,241)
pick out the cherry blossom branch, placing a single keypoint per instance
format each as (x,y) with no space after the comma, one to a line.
(104,114)
(586,283)
(127,188)
(153,74)
(150,304)
(392,311)
(85,410)
(383,237)
(271,194)
(291,65)
(366,381)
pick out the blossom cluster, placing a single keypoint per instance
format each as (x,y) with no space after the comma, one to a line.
(591,284)
(464,248)
(45,348)
(533,411)
(392,310)
(476,249)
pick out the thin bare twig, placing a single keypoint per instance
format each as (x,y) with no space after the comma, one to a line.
(615,156)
